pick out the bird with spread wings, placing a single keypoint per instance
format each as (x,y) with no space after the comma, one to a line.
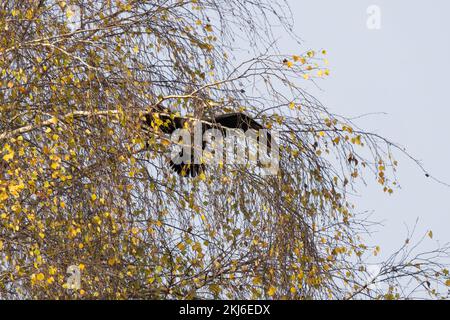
(224,122)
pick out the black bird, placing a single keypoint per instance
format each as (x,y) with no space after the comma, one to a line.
(170,123)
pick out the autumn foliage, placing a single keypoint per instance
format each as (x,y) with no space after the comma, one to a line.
(82,184)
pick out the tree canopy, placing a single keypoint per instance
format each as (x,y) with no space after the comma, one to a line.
(82,184)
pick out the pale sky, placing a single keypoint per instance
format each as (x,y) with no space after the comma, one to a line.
(402,70)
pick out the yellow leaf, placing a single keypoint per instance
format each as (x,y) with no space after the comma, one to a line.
(29,14)
(292,105)
(53,120)
(136,49)
(3,196)
(430,234)
(69,13)
(9,156)
(52,270)
(40,277)
(257,281)
(16,208)
(447,283)
(271,291)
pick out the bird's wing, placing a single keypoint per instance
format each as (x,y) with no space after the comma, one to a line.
(242,121)
(169,122)
(237,121)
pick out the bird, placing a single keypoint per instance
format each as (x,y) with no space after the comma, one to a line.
(172,122)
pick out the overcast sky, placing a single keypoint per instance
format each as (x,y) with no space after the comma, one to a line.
(401,69)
